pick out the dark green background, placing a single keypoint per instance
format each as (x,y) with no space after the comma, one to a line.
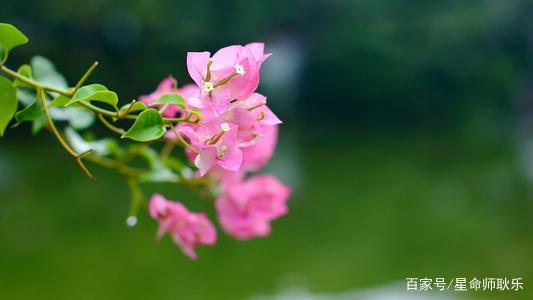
(407,140)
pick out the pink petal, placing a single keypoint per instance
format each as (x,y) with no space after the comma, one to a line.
(205,160)
(258,51)
(232,158)
(257,155)
(197,66)
(226,57)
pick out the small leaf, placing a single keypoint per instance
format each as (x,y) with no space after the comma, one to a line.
(137,106)
(149,126)
(94,92)
(38,124)
(45,72)
(59,101)
(2,54)
(29,113)
(10,37)
(24,70)
(8,103)
(171,99)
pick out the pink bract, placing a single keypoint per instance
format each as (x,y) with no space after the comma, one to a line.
(245,209)
(215,142)
(188,230)
(232,73)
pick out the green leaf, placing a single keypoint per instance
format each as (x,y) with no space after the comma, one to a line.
(44,71)
(10,37)
(29,113)
(8,103)
(60,100)
(24,70)
(149,126)
(137,106)
(80,145)
(38,124)
(171,99)
(2,54)
(94,92)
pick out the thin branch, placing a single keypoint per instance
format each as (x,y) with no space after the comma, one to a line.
(167,149)
(127,111)
(84,78)
(109,125)
(57,134)
(116,165)
(32,82)
(52,126)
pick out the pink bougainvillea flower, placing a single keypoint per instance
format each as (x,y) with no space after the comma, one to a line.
(188,230)
(256,156)
(256,104)
(232,73)
(245,209)
(168,85)
(252,116)
(215,142)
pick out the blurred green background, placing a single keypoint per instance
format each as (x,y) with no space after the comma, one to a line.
(408,141)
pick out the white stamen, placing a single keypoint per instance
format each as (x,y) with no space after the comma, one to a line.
(239,69)
(208,86)
(225,127)
(131,221)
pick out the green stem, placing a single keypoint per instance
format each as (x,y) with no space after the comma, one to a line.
(32,82)
(119,116)
(84,78)
(109,125)
(115,165)
(51,124)
(42,96)
(127,111)
(167,149)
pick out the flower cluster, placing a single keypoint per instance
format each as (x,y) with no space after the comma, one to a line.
(236,134)
(224,126)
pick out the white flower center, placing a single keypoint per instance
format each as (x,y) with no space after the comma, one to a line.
(208,86)
(225,127)
(239,69)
